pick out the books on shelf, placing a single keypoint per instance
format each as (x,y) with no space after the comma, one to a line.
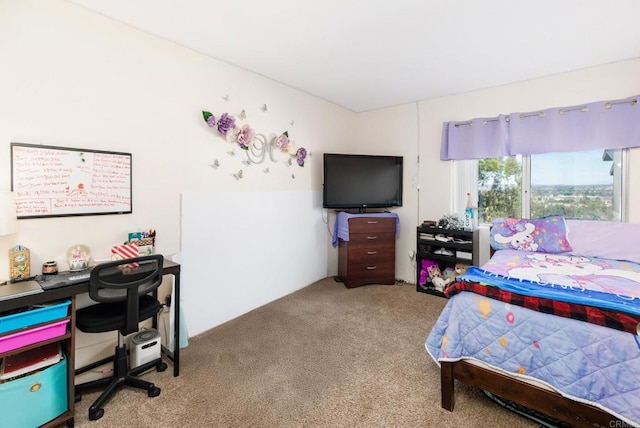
(29,361)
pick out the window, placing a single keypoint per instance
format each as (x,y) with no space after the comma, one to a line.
(579,185)
(499,188)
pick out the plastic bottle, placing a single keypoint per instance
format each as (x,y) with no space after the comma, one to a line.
(470,214)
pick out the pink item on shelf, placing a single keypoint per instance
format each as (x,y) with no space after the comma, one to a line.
(33,335)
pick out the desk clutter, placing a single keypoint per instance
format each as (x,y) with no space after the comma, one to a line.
(78,258)
(19,262)
(62,279)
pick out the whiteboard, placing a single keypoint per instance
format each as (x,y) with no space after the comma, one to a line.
(50,181)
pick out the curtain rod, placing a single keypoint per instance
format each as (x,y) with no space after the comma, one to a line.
(561,111)
(484,121)
(583,108)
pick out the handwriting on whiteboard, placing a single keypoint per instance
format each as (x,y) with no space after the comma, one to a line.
(60,181)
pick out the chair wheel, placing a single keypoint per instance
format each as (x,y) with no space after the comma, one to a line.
(96,414)
(161,366)
(154,391)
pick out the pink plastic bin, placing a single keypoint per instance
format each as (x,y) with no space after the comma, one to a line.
(33,335)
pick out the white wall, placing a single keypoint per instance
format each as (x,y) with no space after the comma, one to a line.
(73,78)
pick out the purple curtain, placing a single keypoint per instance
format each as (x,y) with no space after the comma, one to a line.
(475,139)
(600,125)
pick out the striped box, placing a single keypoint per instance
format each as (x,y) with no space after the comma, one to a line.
(124,251)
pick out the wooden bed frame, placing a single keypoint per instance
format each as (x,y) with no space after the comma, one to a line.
(543,400)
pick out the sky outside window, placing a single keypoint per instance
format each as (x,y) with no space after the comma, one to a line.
(580,168)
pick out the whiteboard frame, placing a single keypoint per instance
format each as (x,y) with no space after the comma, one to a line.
(72,213)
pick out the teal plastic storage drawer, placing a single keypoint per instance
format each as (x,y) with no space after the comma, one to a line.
(34,316)
(35,399)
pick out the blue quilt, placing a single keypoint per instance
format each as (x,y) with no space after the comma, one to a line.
(582,361)
(605,283)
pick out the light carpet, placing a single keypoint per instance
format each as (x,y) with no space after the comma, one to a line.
(324,356)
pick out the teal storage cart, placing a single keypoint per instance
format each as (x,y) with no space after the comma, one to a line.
(34,399)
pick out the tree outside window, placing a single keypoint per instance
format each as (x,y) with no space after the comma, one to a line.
(499,188)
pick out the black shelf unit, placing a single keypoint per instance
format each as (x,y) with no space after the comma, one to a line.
(427,244)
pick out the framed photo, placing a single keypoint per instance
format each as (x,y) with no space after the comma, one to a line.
(49,181)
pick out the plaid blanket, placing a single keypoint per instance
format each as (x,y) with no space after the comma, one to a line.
(603,317)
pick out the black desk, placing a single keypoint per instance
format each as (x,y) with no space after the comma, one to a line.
(70,292)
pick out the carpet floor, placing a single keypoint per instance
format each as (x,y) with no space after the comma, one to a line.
(323,356)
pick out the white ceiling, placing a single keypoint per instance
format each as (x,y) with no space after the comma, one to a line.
(369,54)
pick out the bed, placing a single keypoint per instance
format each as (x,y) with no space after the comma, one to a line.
(551,321)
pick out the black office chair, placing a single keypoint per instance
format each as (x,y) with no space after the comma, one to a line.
(122,289)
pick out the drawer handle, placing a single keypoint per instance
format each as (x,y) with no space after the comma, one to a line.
(35,387)
(372,222)
(371,253)
(372,237)
(371,267)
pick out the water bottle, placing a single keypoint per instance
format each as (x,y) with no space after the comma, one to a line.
(470,214)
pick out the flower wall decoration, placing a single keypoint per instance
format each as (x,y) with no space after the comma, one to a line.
(245,136)
(255,145)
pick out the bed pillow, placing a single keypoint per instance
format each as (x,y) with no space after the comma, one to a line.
(605,239)
(545,235)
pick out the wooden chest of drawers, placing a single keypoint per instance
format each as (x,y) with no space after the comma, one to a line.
(368,257)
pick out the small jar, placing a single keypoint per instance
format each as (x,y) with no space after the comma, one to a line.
(50,268)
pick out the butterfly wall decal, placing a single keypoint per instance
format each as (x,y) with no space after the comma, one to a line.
(215,164)
(238,175)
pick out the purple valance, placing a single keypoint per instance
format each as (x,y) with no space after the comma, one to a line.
(599,125)
(475,139)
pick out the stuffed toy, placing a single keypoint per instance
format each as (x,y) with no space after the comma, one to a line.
(448,273)
(460,269)
(440,283)
(434,272)
(435,275)
(424,272)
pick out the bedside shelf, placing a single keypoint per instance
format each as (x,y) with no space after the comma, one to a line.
(461,244)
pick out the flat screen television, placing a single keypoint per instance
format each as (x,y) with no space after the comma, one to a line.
(361,181)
